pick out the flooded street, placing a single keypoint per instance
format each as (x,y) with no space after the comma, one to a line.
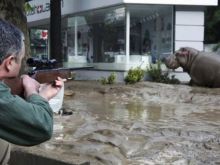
(145,123)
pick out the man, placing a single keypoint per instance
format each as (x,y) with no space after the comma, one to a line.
(27,121)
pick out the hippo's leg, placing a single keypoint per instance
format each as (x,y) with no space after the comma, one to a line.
(193,83)
(216,84)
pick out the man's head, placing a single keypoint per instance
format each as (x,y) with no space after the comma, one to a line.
(180,58)
(11,48)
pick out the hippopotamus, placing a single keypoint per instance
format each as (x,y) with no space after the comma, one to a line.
(202,67)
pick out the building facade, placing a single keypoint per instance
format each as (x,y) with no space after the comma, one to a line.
(120,34)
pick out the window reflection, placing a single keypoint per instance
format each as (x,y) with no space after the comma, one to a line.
(97,36)
(151,30)
(39,43)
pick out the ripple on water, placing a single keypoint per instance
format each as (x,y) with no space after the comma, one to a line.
(156,124)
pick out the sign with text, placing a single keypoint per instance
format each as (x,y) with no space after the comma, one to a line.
(36,9)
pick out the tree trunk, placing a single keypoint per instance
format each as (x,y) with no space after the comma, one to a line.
(14,12)
(55,31)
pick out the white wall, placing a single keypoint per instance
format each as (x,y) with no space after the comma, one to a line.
(73,6)
(189,28)
(175,2)
(41,16)
(83,5)
(68,7)
(38,15)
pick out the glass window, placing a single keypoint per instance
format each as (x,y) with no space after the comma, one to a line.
(39,43)
(97,36)
(151,30)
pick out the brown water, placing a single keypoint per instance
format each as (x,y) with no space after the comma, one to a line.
(147,123)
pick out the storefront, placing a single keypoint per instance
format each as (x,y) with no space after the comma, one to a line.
(118,35)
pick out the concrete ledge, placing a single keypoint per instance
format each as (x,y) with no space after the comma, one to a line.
(182,76)
(23,157)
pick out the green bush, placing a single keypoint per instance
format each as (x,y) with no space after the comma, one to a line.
(103,80)
(112,78)
(109,80)
(156,75)
(134,75)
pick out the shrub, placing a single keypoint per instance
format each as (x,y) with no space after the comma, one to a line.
(156,75)
(109,80)
(103,80)
(134,75)
(112,78)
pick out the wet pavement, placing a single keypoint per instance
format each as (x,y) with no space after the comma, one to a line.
(145,123)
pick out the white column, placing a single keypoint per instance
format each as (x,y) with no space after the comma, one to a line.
(76,40)
(127,47)
(189,28)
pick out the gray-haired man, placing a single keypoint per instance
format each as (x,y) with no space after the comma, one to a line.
(26,121)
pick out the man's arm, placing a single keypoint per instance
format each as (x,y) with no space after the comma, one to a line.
(24,122)
(43,76)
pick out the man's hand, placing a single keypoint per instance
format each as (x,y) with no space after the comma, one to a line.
(50,90)
(31,86)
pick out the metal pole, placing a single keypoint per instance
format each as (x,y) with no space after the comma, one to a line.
(127,36)
(76,40)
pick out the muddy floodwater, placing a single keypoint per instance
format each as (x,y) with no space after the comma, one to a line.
(146,123)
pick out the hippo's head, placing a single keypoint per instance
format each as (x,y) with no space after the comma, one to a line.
(180,58)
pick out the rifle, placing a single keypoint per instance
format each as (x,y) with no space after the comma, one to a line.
(43,71)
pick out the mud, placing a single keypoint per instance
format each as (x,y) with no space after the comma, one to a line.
(145,123)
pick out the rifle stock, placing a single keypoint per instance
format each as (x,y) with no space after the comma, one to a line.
(48,76)
(42,76)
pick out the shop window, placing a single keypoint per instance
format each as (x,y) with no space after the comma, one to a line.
(39,43)
(96,36)
(151,30)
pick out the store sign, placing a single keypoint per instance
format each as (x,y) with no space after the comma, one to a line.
(37,9)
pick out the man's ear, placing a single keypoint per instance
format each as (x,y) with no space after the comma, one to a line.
(9,63)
